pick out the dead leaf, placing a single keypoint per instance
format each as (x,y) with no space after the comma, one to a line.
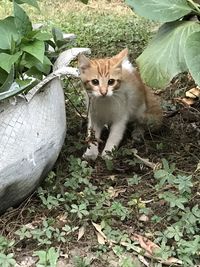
(143,260)
(144,218)
(100,238)
(146,244)
(185,101)
(98,228)
(193,93)
(29,226)
(145,161)
(112,177)
(150,248)
(115,192)
(198,167)
(81,232)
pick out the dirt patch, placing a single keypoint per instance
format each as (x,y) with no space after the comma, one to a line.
(177,141)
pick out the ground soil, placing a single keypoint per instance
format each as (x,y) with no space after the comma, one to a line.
(178,141)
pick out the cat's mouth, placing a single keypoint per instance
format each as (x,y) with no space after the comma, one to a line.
(108,93)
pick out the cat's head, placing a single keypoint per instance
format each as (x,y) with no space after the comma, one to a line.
(102,77)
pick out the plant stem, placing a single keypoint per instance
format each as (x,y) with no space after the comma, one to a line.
(195,5)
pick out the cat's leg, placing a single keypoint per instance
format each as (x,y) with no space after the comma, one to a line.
(116,134)
(92,151)
(137,134)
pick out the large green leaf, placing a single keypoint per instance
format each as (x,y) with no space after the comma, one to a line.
(29,2)
(17,88)
(36,49)
(8,33)
(42,36)
(22,21)
(30,61)
(160,10)
(192,55)
(3,76)
(164,57)
(13,90)
(8,82)
(7,61)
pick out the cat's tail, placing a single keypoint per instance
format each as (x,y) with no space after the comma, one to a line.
(153,114)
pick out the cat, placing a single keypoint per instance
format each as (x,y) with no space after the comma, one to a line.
(115,95)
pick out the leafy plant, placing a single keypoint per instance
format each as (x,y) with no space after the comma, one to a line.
(47,258)
(175,48)
(7,260)
(5,244)
(24,54)
(80,210)
(183,217)
(128,262)
(81,261)
(117,209)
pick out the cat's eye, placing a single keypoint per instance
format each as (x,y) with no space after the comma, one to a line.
(111,82)
(95,82)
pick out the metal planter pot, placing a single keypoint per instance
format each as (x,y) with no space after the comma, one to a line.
(32,134)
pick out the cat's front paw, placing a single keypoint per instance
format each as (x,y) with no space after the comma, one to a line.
(91,154)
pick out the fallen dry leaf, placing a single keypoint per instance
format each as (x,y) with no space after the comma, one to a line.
(81,232)
(146,244)
(185,101)
(101,237)
(101,240)
(193,93)
(145,161)
(198,167)
(143,260)
(150,248)
(144,218)
(115,192)
(98,228)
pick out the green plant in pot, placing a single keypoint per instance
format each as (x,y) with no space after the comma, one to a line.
(32,104)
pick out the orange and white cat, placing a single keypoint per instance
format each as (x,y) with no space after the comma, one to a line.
(115,96)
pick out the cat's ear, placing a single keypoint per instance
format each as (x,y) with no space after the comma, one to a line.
(121,57)
(83,62)
(123,54)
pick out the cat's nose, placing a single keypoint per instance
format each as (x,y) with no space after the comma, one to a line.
(103,93)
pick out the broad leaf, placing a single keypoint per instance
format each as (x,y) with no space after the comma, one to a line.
(36,49)
(192,55)
(7,61)
(31,61)
(57,34)
(3,76)
(29,2)
(160,10)
(13,90)
(8,82)
(16,88)
(8,33)
(43,36)
(164,57)
(22,21)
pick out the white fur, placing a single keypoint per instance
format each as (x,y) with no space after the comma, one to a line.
(115,111)
(126,65)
